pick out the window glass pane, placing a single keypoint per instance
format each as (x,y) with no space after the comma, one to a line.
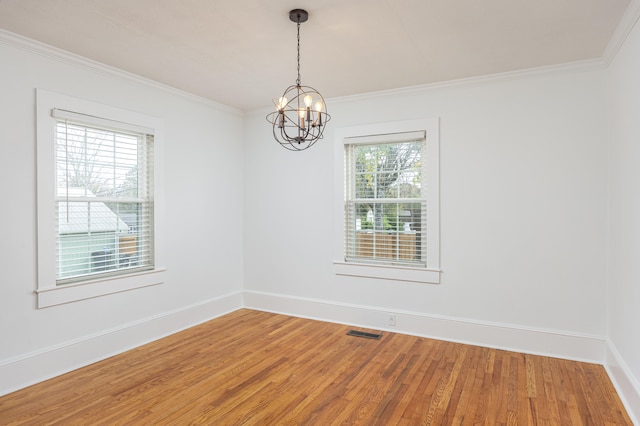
(385,218)
(388,170)
(104,209)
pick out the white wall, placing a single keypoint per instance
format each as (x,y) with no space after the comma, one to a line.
(202,206)
(523,208)
(623,297)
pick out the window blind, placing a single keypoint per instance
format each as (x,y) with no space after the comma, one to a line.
(385,200)
(104,197)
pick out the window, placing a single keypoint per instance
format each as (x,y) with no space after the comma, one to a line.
(97,199)
(385,203)
(390,213)
(104,207)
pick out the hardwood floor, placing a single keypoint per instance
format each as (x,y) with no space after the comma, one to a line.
(252,367)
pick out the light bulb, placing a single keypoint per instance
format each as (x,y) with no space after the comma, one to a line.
(308,100)
(319,106)
(282,102)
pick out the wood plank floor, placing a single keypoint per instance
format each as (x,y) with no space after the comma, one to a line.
(257,368)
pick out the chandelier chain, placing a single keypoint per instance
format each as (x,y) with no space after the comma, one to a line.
(298,80)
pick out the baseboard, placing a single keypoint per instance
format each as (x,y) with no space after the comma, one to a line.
(624,381)
(500,336)
(49,362)
(35,367)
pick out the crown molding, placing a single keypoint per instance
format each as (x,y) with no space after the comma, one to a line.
(589,64)
(624,28)
(54,53)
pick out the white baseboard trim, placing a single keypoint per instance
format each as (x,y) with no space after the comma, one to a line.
(49,362)
(626,384)
(34,367)
(501,336)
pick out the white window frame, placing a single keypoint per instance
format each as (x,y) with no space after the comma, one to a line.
(431,179)
(48,293)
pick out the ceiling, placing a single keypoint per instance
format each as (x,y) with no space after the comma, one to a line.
(242,53)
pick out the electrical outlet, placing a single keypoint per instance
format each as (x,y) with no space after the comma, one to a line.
(392,320)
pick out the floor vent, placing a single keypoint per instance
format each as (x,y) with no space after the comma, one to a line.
(364,334)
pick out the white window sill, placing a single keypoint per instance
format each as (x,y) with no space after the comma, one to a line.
(99,287)
(388,272)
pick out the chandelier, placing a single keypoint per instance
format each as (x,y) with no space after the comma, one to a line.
(301,113)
